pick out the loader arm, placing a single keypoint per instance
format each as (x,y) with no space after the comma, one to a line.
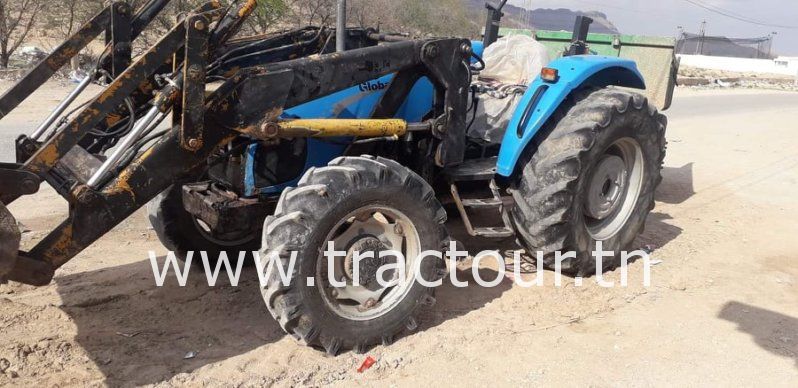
(248,102)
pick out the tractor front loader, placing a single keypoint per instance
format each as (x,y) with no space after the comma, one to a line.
(345,138)
(254,82)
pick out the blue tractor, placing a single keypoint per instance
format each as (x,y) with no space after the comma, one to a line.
(290,142)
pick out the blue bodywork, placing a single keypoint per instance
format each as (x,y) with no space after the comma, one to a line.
(354,103)
(543,98)
(536,107)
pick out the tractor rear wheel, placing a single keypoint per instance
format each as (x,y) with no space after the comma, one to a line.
(590,177)
(363,204)
(181,232)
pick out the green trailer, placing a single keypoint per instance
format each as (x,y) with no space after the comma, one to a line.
(654,56)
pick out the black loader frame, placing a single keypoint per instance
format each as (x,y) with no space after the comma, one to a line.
(217,89)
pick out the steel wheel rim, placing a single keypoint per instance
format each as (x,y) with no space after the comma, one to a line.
(613,189)
(360,229)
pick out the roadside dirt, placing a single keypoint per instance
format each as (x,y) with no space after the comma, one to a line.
(722,309)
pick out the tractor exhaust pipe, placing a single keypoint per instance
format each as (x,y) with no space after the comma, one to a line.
(494,22)
(9,242)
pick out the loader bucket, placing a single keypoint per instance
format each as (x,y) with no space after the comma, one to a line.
(9,241)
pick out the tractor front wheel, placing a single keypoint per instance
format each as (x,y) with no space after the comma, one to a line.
(358,204)
(590,177)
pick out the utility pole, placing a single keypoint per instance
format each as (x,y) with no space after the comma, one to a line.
(701,36)
(340,32)
(770,44)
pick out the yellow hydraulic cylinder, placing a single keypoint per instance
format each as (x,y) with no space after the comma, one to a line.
(340,127)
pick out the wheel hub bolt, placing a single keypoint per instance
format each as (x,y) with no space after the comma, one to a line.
(194,143)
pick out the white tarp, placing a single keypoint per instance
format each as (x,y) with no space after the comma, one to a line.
(512,61)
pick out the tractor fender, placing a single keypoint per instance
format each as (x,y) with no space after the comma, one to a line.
(543,98)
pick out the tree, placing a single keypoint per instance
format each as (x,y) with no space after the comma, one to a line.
(17,18)
(312,12)
(416,17)
(268,13)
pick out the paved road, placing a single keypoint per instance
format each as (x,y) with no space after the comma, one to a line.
(691,104)
(26,117)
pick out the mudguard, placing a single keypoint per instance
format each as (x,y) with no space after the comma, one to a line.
(543,98)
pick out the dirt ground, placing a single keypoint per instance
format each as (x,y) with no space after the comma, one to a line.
(722,309)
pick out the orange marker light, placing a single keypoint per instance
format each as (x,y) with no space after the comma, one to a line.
(549,75)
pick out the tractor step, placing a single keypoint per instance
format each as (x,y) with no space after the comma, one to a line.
(494,232)
(475,171)
(482,203)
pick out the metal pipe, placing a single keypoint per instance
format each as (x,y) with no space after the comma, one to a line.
(140,128)
(340,31)
(56,113)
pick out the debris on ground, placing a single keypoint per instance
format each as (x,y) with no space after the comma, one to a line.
(32,54)
(367,364)
(22,61)
(190,355)
(719,79)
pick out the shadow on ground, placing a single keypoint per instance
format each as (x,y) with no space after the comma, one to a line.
(137,333)
(658,232)
(777,333)
(676,188)
(677,185)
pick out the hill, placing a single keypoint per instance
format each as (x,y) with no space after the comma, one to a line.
(546,19)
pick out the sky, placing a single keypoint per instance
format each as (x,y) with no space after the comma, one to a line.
(662,17)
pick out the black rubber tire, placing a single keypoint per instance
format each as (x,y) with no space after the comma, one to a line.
(178,232)
(549,189)
(303,219)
